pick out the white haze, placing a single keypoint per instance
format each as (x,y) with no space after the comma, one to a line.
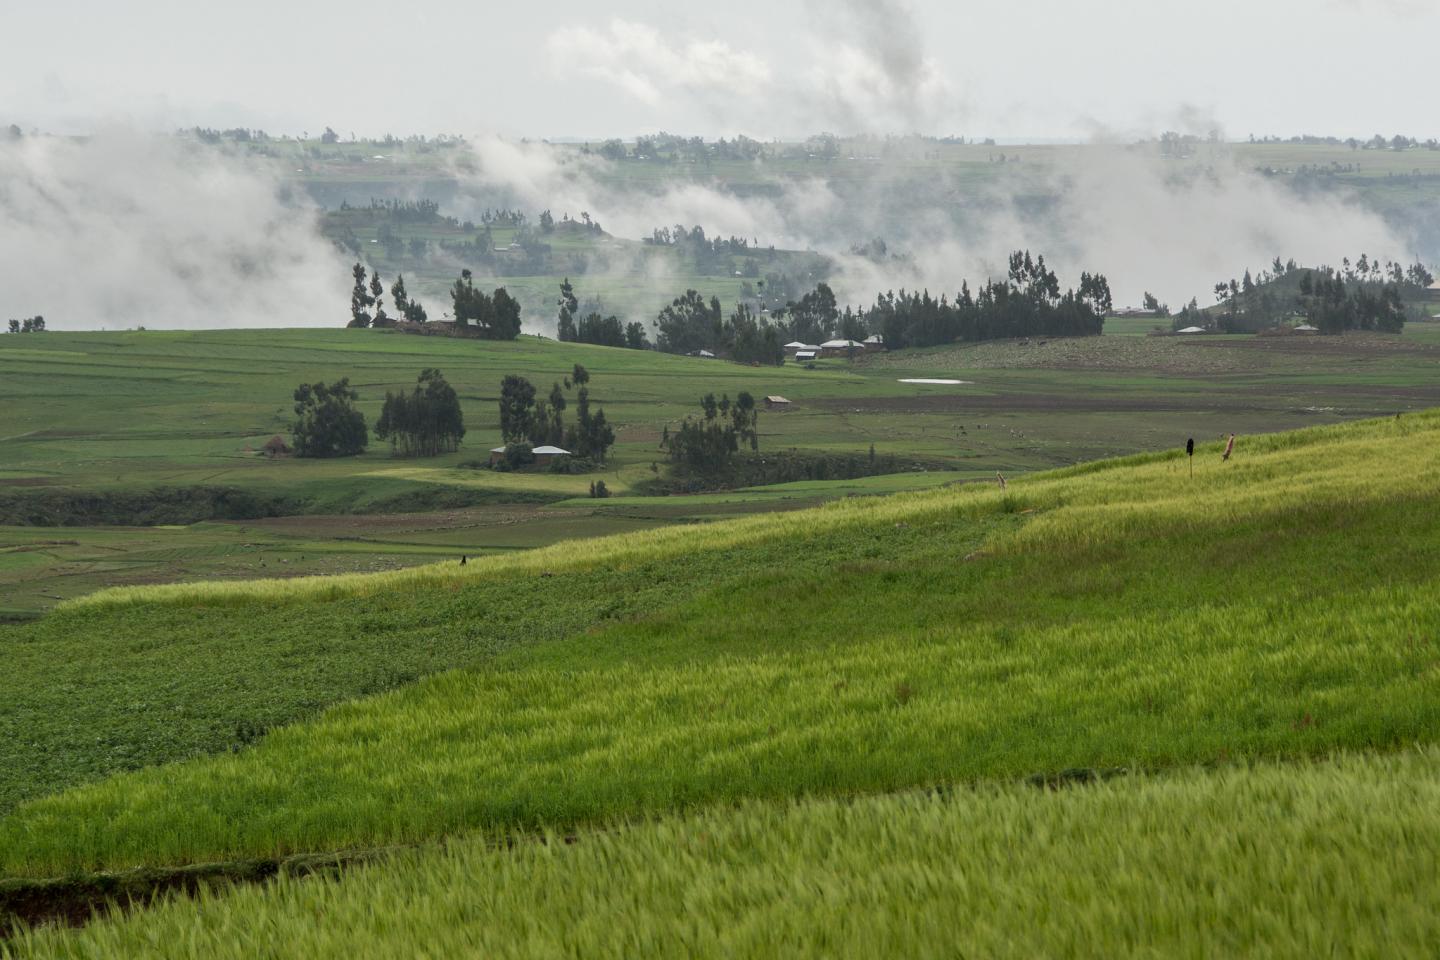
(126,229)
(1148,224)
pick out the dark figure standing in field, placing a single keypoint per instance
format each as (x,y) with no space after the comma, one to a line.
(1229,448)
(462,559)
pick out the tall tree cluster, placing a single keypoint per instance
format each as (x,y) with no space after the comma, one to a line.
(524,419)
(1368,294)
(35,324)
(594,328)
(708,444)
(326,421)
(690,323)
(495,316)
(1027,302)
(411,310)
(367,295)
(815,317)
(424,422)
(1329,304)
(569,306)
(362,298)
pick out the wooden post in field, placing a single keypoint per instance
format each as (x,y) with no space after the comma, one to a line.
(1190,452)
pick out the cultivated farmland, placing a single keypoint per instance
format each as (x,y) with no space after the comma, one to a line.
(1344,849)
(165,429)
(1251,649)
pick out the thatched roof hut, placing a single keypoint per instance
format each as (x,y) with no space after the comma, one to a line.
(276,447)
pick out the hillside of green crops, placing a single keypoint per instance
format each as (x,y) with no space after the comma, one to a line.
(1117,615)
(1270,860)
(161,432)
(1230,679)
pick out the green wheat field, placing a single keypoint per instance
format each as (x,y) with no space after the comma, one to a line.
(1109,709)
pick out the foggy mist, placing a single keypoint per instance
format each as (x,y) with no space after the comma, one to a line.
(1126,212)
(127,229)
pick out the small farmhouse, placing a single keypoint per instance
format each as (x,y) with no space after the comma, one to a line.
(840,348)
(1191,330)
(874,342)
(776,402)
(803,355)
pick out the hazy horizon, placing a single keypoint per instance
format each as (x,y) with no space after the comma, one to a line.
(1052,72)
(175,236)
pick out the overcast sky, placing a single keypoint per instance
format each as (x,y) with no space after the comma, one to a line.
(1015,69)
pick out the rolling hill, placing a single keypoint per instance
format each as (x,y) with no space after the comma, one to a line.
(711,712)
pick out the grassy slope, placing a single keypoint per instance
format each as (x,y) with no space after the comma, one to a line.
(125,413)
(129,413)
(1283,604)
(88,692)
(1271,860)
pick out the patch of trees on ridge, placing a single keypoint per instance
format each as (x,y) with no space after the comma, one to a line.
(1027,302)
(1364,295)
(593,328)
(691,324)
(35,324)
(493,316)
(363,297)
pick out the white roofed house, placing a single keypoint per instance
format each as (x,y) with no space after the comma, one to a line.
(543,453)
(841,348)
(803,355)
(874,342)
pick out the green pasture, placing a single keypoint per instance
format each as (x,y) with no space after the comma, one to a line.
(974,164)
(40,566)
(138,413)
(1065,692)
(1113,615)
